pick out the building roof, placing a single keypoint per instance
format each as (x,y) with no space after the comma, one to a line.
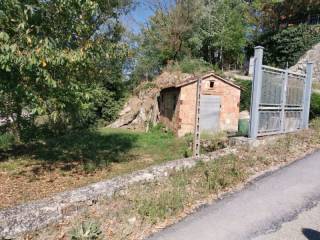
(193,79)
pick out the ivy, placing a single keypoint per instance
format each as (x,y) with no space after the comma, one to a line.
(288,45)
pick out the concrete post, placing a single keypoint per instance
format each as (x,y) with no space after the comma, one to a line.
(283,101)
(196,139)
(256,92)
(307,95)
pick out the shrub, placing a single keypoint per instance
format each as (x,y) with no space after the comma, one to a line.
(245,99)
(315,105)
(6,141)
(89,230)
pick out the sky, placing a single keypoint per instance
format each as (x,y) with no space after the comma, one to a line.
(137,17)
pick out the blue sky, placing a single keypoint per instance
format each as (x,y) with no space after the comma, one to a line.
(140,15)
(137,17)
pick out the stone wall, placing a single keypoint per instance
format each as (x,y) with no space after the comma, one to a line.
(24,218)
(313,55)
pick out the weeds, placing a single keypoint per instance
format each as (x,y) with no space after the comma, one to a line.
(157,208)
(89,230)
(222,173)
(186,186)
(213,141)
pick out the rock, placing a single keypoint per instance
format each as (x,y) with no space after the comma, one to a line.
(313,55)
(132,220)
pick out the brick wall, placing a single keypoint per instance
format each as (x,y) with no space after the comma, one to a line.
(230,101)
(187,109)
(183,119)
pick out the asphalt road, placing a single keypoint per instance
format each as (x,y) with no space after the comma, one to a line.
(282,205)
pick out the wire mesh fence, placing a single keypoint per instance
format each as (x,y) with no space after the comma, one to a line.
(280,99)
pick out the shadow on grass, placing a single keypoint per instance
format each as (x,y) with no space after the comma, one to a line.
(90,149)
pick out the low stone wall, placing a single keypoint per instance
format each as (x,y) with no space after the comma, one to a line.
(35,215)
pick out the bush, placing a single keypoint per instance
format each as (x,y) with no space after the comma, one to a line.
(315,105)
(6,141)
(245,99)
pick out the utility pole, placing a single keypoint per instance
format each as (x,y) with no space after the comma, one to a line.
(196,140)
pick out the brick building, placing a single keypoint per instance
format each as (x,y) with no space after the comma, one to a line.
(219,107)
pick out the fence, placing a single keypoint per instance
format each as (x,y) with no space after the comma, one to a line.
(311,20)
(280,101)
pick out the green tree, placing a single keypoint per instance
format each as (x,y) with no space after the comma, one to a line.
(209,30)
(164,38)
(222,31)
(56,57)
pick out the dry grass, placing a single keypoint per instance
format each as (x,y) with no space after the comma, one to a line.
(136,212)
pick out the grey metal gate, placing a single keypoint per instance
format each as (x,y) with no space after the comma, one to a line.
(209,113)
(280,99)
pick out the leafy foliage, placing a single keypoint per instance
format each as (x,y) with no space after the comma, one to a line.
(56,57)
(245,98)
(209,30)
(273,15)
(289,45)
(315,105)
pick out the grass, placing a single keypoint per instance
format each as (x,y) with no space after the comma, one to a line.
(143,208)
(57,164)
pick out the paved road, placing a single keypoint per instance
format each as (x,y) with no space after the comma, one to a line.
(282,205)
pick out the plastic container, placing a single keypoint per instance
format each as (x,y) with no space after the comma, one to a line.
(243,124)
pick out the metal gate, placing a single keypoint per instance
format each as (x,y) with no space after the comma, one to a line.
(280,99)
(209,113)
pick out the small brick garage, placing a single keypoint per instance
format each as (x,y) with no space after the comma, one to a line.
(219,107)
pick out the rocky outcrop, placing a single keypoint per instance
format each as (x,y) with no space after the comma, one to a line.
(141,109)
(313,55)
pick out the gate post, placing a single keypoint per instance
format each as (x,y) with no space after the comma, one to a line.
(307,95)
(283,101)
(256,92)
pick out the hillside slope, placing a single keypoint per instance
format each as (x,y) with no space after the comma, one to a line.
(313,55)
